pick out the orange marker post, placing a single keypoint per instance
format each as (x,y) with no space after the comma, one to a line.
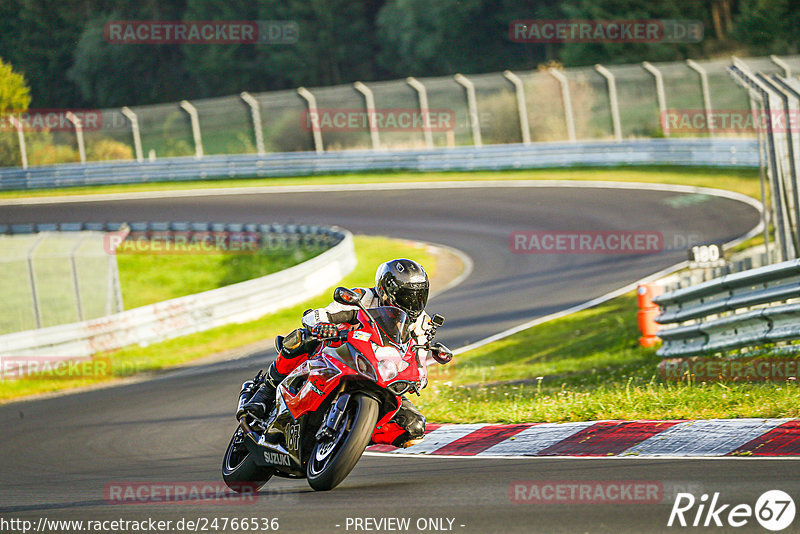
(648,311)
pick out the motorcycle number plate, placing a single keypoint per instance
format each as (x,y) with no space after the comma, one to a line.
(361,336)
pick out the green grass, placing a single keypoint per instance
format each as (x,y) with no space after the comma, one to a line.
(741,180)
(149,278)
(584,367)
(370,252)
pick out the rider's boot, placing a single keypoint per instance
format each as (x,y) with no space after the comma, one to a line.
(260,403)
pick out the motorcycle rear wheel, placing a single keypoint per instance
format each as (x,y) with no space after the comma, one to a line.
(239,470)
(332,461)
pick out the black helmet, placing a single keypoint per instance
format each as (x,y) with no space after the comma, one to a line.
(403,283)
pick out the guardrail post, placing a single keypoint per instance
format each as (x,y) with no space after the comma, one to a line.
(37,311)
(313,117)
(612,97)
(76,123)
(255,113)
(522,107)
(137,135)
(23,151)
(194,117)
(660,96)
(472,105)
(372,119)
(569,117)
(787,70)
(706,93)
(422,97)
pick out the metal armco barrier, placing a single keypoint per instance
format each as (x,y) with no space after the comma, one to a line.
(236,303)
(706,151)
(734,294)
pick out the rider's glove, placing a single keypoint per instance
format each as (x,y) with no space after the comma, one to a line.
(323,330)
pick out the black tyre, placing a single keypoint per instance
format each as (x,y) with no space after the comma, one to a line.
(239,471)
(333,460)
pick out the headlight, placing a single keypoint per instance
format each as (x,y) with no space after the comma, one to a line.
(365,368)
(387,369)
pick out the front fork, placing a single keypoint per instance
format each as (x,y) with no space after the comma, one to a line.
(328,430)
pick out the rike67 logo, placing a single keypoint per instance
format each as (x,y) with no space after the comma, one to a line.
(774,510)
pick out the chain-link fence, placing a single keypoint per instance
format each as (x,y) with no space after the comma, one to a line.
(52,278)
(548,104)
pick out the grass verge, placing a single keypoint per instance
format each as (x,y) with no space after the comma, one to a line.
(135,359)
(742,180)
(587,366)
(149,278)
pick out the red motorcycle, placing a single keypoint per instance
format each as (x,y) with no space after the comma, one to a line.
(331,406)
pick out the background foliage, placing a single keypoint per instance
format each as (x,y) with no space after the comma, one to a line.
(58,44)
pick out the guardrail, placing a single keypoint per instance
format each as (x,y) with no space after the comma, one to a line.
(706,151)
(707,304)
(240,302)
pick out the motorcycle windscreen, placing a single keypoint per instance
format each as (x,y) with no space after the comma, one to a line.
(392,322)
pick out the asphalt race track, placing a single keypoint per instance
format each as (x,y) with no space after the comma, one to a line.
(58,455)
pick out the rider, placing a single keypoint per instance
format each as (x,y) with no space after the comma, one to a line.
(402,283)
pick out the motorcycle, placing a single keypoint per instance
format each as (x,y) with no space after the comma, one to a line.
(328,410)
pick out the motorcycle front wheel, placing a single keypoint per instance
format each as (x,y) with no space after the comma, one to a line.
(239,471)
(331,461)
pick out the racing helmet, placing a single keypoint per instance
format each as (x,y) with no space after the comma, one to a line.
(403,283)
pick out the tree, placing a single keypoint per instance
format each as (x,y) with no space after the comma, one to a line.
(768,26)
(127,74)
(15,96)
(590,53)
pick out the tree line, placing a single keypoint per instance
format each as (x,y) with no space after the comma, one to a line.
(61,49)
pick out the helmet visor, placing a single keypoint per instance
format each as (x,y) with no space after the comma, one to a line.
(413,300)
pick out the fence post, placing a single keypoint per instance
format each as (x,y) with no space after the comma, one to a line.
(612,97)
(706,93)
(787,70)
(37,312)
(75,281)
(76,123)
(23,151)
(313,115)
(137,135)
(193,116)
(115,293)
(569,117)
(784,91)
(522,107)
(369,101)
(766,212)
(255,113)
(742,74)
(472,105)
(660,95)
(422,96)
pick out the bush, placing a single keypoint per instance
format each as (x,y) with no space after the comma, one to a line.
(47,154)
(107,149)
